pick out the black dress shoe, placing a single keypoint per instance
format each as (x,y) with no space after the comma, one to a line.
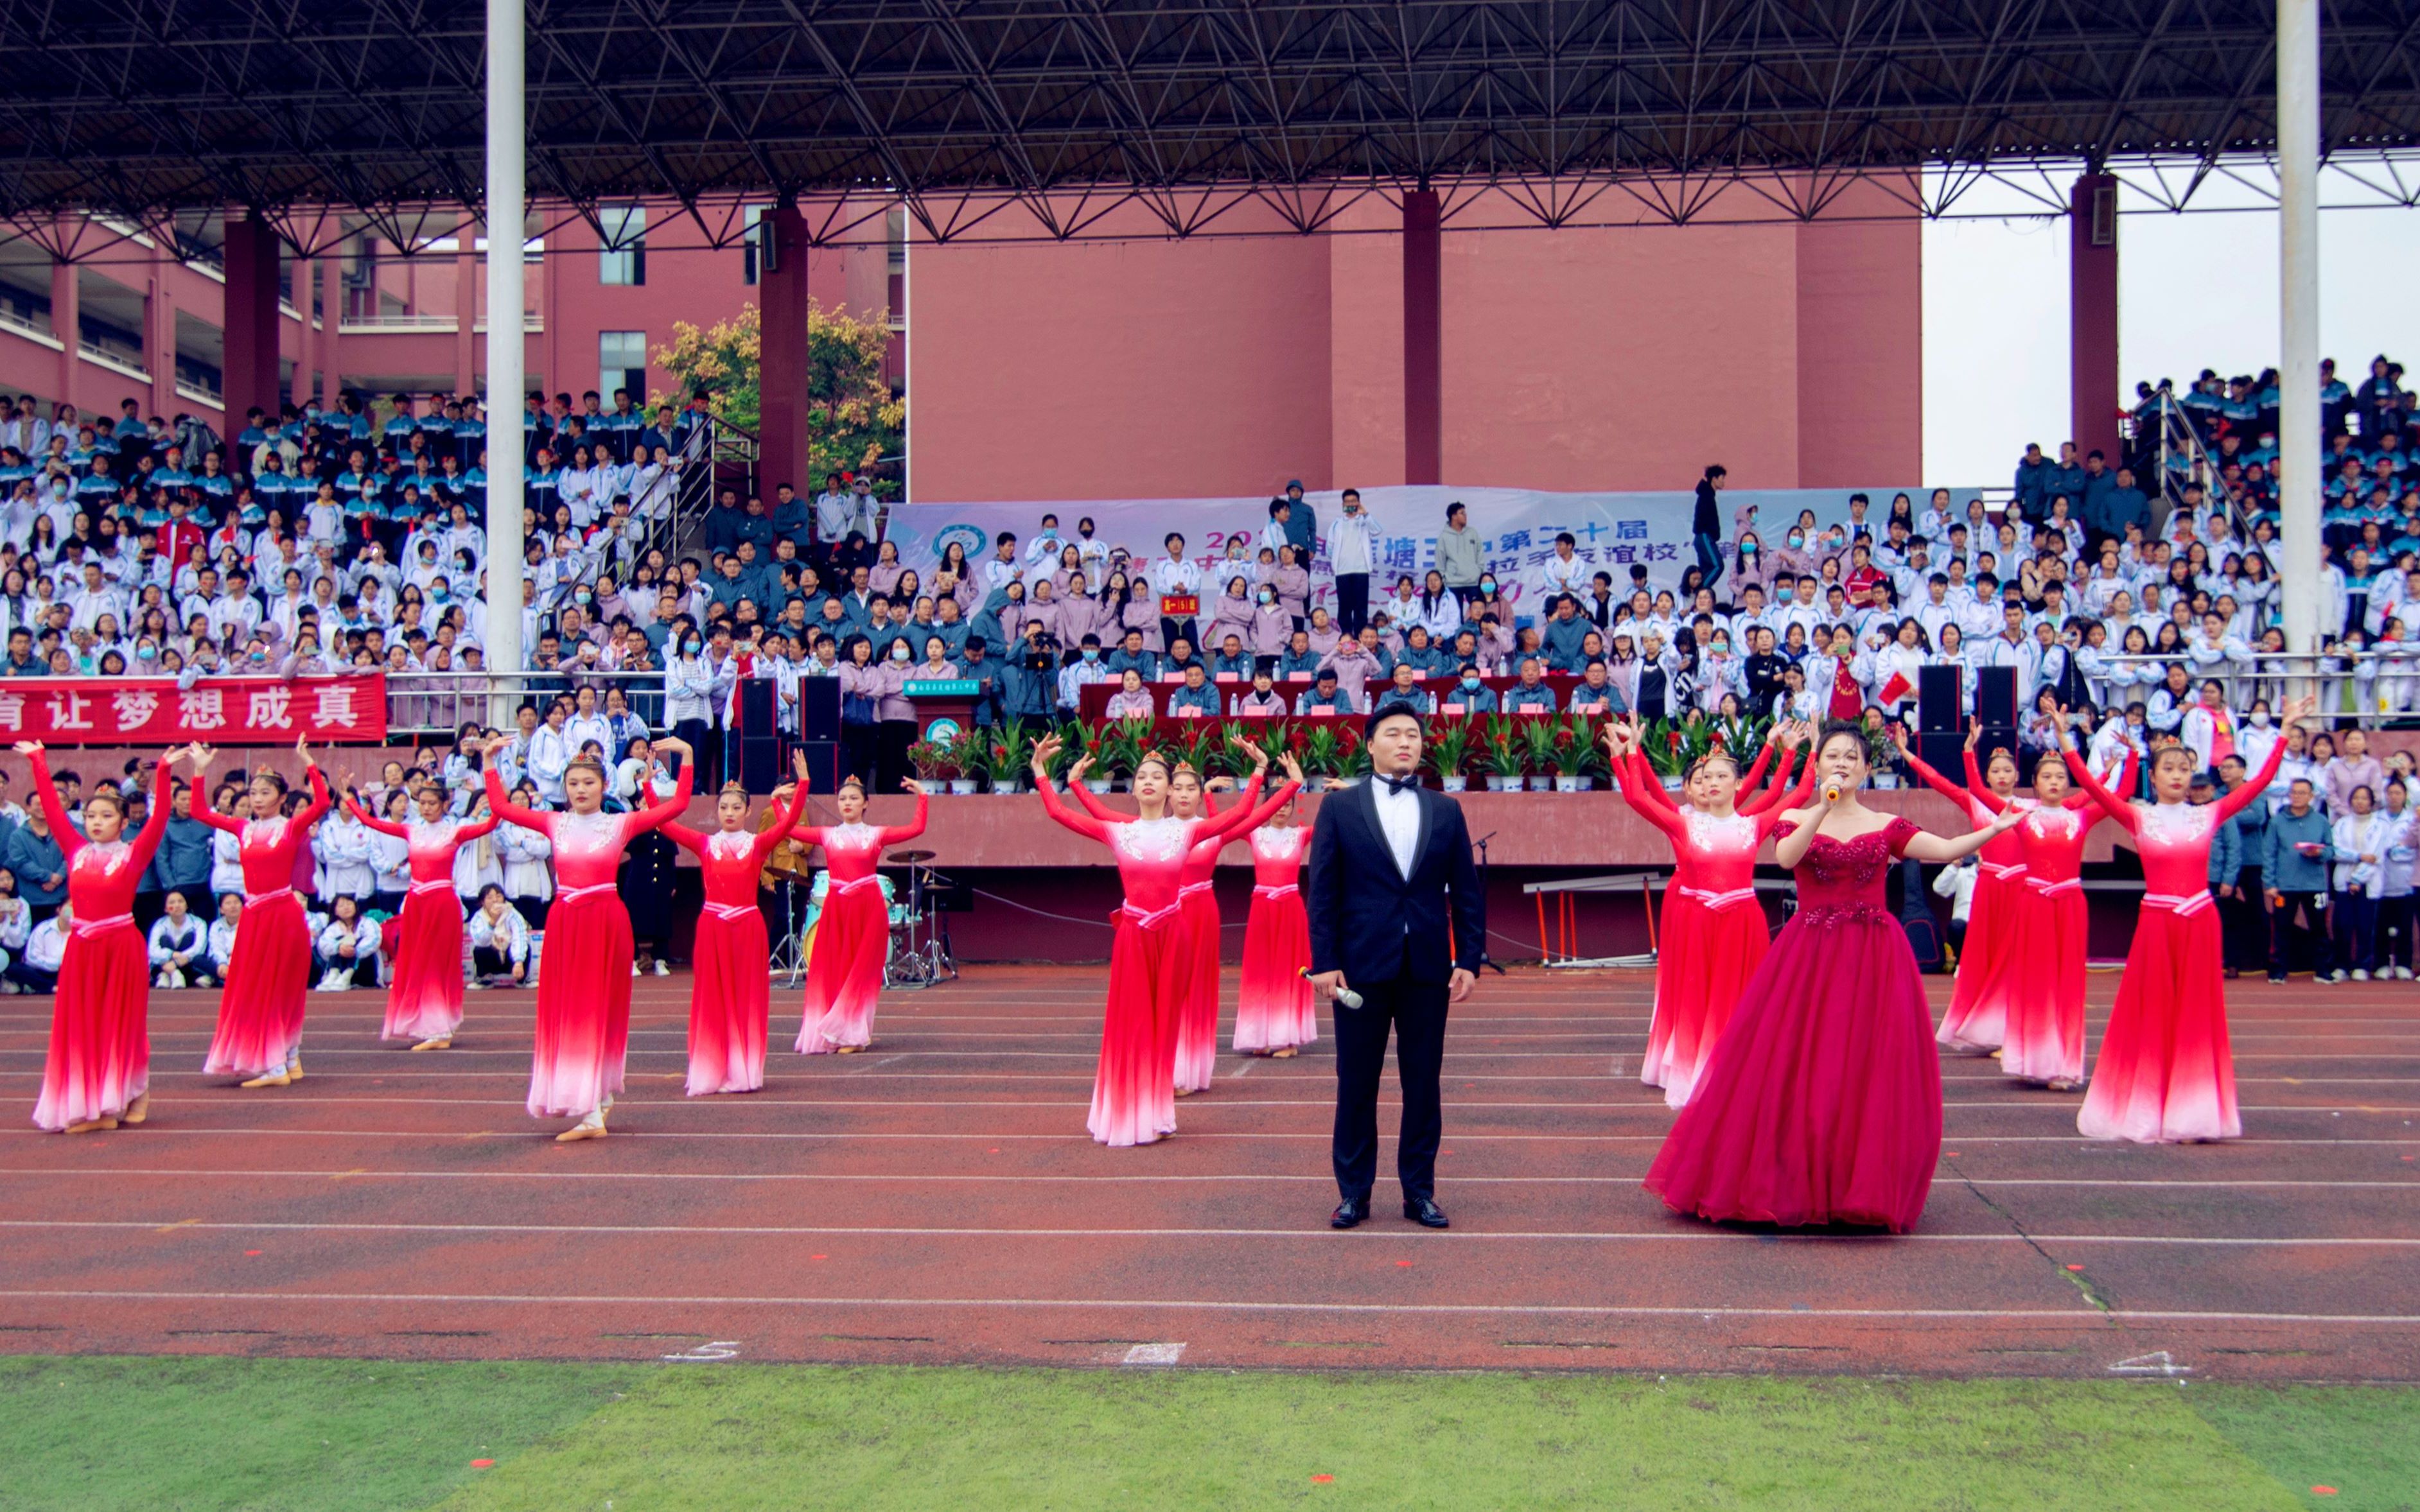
(1425,1212)
(1349,1213)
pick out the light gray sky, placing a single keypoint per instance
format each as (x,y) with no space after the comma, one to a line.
(2194,290)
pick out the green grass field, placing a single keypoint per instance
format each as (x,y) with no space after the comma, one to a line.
(166,1434)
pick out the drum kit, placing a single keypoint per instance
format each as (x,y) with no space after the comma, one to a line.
(920,928)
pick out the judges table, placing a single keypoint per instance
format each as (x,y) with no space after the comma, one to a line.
(1093,701)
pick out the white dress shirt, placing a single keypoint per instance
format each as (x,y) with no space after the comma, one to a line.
(1399,819)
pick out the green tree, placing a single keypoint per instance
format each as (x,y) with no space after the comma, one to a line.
(854,421)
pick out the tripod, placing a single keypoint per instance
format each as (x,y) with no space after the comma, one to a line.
(1485,957)
(789,956)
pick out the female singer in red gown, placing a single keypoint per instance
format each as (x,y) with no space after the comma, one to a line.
(1977,1019)
(584,981)
(1134,1089)
(1713,933)
(99,1071)
(730,1006)
(2043,978)
(2167,1074)
(260,1010)
(1276,1009)
(1199,926)
(1823,1102)
(853,932)
(424,1002)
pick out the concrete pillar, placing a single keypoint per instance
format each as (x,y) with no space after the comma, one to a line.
(159,334)
(2095,387)
(507,138)
(249,372)
(784,436)
(332,318)
(466,308)
(66,305)
(306,281)
(2298,377)
(1424,338)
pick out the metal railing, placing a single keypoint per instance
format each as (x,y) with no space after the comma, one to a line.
(2181,459)
(420,705)
(2364,689)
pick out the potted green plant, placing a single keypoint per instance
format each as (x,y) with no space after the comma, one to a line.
(1193,745)
(1584,757)
(1011,757)
(1542,755)
(934,760)
(1115,747)
(1882,753)
(1322,757)
(1231,759)
(965,762)
(1500,755)
(1670,749)
(1448,755)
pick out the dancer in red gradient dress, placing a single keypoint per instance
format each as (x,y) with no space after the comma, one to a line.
(424,1002)
(1823,1102)
(1713,934)
(98,1070)
(853,932)
(2042,979)
(2167,1072)
(260,1010)
(1977,1019)
(1277,1012)
(1134,1088)
(1199,925)
(584,979)
(729,1002)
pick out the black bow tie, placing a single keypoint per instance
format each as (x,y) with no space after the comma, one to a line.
(1398,784)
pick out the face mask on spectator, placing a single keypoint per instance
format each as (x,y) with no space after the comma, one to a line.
(899,652)
(1470,679)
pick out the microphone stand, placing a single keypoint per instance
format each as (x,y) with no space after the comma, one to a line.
(1485,957)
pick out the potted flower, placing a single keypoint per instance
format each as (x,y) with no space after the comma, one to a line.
(1542,755)
(1116,749)
(1500,755)
(1882,753)
(1352,757)
(1193,745)
(936,760)
(1584,757)
(1449,756)
(1231,759)
(965,760)
(1670,749)
(1009,756)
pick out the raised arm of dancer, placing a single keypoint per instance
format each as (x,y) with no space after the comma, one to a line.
(1755,772)
(1924,845)
(1637,781)
(476,828)
(1797,797)
(1085,799)
(1771,798)
(1966,799)
(2112,805)
(2234,803)
(155,823)
(779,829)
(384,826)
(1084,824)
(1231,822)
(201,755)
(320,802)
(1269,806)
(656,814)
(68,838)
(502,807)
(894,834)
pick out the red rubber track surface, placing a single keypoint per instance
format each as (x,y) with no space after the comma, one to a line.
(936,1200)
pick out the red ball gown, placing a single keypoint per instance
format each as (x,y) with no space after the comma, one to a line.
(2167,1072)
(1134,1087)
(852,933)
(584,981)
(260,1009)
(1275,1006)
(730,999)
(425,999)
(101,1042)
(1711,934)
(1823,1102)
(1977,1016)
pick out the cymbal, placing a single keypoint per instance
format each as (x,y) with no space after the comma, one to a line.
(911,858)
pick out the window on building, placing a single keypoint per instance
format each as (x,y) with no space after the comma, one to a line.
(621,364)
(750,264)
(625,257)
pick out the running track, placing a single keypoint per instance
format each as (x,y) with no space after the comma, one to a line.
(935,1200)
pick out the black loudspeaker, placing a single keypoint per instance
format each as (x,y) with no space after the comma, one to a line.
(823,761)
(1938,700)
(1996,707)
(760,762)
(1943,750)
(756,707)
(820,709)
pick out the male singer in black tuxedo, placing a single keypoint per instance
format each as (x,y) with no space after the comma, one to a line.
(1396,916)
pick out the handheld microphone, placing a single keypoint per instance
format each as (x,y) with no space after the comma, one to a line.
(1346,996)
(1832,790)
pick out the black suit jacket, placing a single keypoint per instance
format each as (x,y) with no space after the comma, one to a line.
(1373,923)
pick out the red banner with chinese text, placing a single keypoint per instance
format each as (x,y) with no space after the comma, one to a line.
(228,711)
